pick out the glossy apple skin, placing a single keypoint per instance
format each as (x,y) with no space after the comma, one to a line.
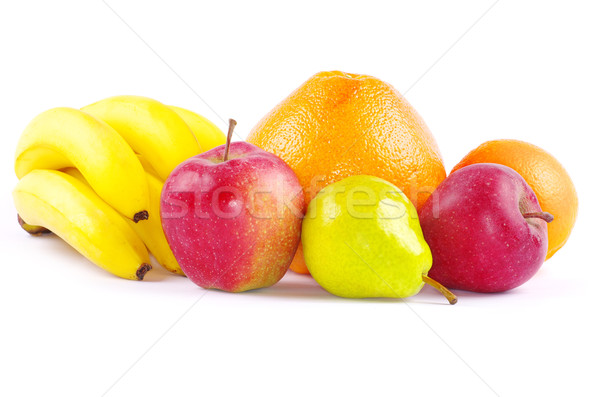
(233,225)
(478,237)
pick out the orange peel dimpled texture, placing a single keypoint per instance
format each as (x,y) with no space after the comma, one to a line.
(337,124)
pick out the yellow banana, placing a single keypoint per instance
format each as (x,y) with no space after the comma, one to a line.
(207,134)
(65,137)
(151,231)
(148,167)
(74,212)
(151,129)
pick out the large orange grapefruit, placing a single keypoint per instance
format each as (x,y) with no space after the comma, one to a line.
(338,124)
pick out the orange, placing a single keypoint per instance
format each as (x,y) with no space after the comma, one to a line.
(546,176)
(338,124)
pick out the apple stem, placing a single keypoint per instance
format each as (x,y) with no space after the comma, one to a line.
(445,291)
(232,124)
(548,217)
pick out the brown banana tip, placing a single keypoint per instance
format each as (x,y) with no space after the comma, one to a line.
(32,229)
(140,216)
(142,270)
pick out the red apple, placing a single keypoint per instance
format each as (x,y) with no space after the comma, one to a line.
(485,228)
(233,216)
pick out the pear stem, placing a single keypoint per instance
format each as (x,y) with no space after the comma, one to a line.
(232,124)
(445,291)
(548,217)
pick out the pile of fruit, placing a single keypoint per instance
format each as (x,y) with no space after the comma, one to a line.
(342,180)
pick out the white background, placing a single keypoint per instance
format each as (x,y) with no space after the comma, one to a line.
(520,69)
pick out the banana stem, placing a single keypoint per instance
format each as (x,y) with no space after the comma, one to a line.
(445,291)
(232,124)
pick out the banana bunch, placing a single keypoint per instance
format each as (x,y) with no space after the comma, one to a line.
(94,177)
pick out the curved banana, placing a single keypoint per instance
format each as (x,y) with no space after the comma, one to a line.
(65,137)
(207,134)
(148,167)
(151,231)
(75,213)
(151,129)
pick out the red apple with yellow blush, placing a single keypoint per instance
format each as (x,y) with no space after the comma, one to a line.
(233,216)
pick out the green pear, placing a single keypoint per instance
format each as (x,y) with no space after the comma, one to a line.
(361,238)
